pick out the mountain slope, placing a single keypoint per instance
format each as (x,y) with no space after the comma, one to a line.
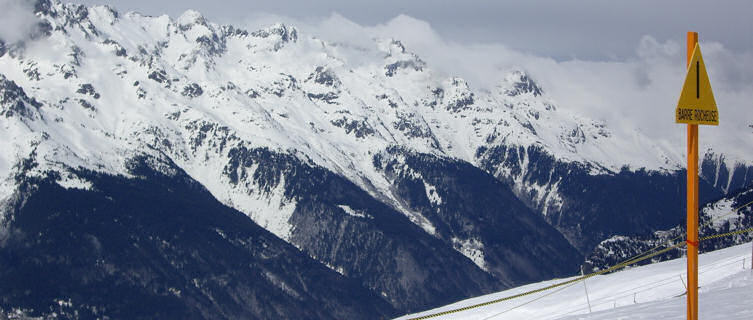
(159,245)
(340,225)
(481,217)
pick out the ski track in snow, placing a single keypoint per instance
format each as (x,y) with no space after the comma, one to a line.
(646,292)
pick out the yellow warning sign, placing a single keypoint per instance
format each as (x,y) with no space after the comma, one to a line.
(697,104)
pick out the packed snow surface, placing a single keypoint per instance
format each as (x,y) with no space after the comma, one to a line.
(654,291)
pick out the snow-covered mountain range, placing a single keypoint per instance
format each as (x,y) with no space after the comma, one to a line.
(362,158)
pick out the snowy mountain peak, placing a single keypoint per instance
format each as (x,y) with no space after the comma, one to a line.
(518,82)
(104,13)
(393,47)
(42,6)
(398,58)
(189,18)
(458,95)
(282,31)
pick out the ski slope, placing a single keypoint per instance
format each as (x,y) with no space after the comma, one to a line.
(648,292)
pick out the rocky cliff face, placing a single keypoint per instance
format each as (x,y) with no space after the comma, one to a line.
(724,176)
(470,210)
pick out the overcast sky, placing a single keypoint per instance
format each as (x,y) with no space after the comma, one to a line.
(583,29)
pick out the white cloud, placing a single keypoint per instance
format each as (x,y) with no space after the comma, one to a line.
(17,20)
(638,93)
(592,29)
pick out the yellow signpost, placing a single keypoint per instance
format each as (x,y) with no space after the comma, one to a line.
(696,106)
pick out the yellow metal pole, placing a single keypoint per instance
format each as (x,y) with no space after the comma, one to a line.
(692,207)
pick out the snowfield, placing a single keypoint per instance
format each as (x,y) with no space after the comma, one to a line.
(649,292)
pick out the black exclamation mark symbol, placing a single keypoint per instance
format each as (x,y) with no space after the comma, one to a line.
(697,80)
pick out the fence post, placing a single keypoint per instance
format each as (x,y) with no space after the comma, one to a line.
(588,300)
